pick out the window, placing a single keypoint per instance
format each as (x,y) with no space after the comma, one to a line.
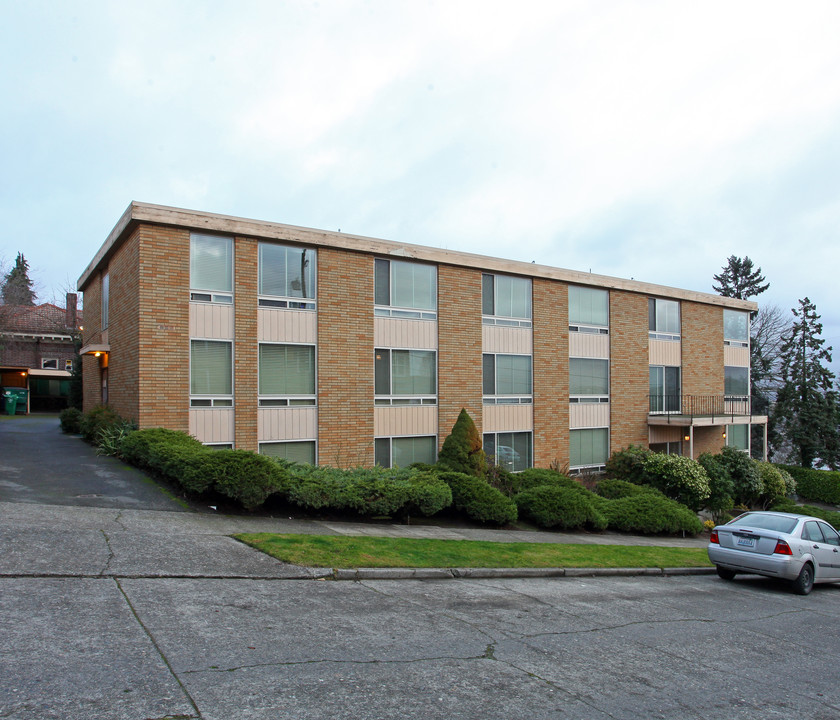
(49,364)
(589,380)
(665,389)
(589,310)
(510,450)
(402,451)
(736,382)
(736,328)
(737,436)
(299,451)
(506,300)
(667,448)
(506,379)
(211,373)
(287,375)
(588,448)
(211,268)
(405,289)
(664,319)
(106,290)
(286,277)
(405,377)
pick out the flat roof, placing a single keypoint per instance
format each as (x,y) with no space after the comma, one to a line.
(138,212)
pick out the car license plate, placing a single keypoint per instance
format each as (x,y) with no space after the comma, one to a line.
(746,542)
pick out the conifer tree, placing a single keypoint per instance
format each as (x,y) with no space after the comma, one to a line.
(739,280)
(462,450)
(17,287)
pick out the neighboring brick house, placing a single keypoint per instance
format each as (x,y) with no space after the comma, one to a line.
(345,350)
(38,351)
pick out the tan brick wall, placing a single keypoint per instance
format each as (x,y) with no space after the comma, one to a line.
(459,347)
(246,349)
(92,333)
(164,290)
(702,349)
(708,439)
(345,358)
(629,370)
(124,329)
(551,372)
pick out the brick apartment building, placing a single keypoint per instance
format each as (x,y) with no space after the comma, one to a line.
(345,350)
(38,351)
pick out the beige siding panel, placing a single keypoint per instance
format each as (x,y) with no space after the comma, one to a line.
(508,418)
(587,345)
(292,326)
(511,340)
(736,356)
(412,420)
(212,425)
(287,423)
(403,333)
(665,352)
(589,415)
(663,433)
(211,321)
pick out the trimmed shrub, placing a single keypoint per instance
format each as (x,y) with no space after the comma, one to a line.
(788,505)
(141,446)
(628,464)
(721,489)
(819,485)
(243,476)
(462,449)
(551,506)
(680,478)
(649,513)
(746,481)
(612,489)
(478,500)
(95,420)
(536,477)
(790,483)
(71,420)
(773,482)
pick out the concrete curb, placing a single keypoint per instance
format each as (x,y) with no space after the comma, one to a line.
(357,574)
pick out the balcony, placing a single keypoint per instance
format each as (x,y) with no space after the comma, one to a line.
(698,409)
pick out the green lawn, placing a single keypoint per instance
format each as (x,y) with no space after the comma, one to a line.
(341,551)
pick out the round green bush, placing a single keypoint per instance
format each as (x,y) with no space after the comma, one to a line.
(612,488)
(478,500)
(650,514)
(535,477)
(773,482)
(70,420)
(680,478)
(552,506)
(721,489)
(628,464)
(746,481)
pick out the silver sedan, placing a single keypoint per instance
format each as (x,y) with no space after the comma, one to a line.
(801,549)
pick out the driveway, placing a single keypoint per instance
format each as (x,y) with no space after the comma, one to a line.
(40,464)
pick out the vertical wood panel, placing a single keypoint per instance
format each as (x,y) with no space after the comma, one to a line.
(289,423)
(665,352)
(212,425)
(294,326)
(736,356)
(211,321)
(508,418)
(403,333)
(511,340)
(589,345)
(589,415)
(413,420)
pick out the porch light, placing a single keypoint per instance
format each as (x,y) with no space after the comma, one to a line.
(724,435)
(687,438)
(97,354)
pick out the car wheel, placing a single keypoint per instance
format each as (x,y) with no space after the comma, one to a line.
(805,582)
(724,573)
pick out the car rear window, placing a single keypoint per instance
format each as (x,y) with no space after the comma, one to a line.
(766,522)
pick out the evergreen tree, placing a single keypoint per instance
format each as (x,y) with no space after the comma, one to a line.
(17,287)
(462,451)
(739,280)
(806,410)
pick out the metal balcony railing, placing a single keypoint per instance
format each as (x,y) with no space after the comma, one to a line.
(700,405)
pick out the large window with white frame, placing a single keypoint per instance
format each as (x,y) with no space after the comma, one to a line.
(506,300)
(286,277)
(405,377)
(286,375)
(738,436)
(299,451)
(403,451)
(405,289)
(507,379)
(589,380)
(736,328)
(211,373)
(664,319)
(589,310)
(211,268)
(736,383)
(665,390)
(512,451)
(49,363)
(588,448)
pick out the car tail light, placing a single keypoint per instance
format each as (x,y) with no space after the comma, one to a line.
(782,548)
(713,538)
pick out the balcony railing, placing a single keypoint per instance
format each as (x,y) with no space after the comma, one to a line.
(700,405)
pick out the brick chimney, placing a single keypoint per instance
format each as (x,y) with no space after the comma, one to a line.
(70,311)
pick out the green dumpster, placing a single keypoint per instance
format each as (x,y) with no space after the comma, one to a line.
(15,400)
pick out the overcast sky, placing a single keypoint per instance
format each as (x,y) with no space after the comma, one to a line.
(647,140)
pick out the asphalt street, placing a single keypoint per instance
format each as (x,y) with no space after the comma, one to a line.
(131,613)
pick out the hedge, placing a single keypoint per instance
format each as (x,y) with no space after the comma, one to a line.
(819,485)
(648,513)
(552,506)
(478,500)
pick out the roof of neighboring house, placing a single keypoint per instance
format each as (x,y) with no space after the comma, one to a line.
(138,212)
(44,319)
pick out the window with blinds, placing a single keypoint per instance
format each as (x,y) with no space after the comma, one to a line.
(286,375)
(211,268)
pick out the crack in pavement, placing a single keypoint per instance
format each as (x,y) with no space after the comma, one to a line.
(111,554)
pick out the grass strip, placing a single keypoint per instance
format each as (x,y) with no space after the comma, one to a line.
(342,551)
